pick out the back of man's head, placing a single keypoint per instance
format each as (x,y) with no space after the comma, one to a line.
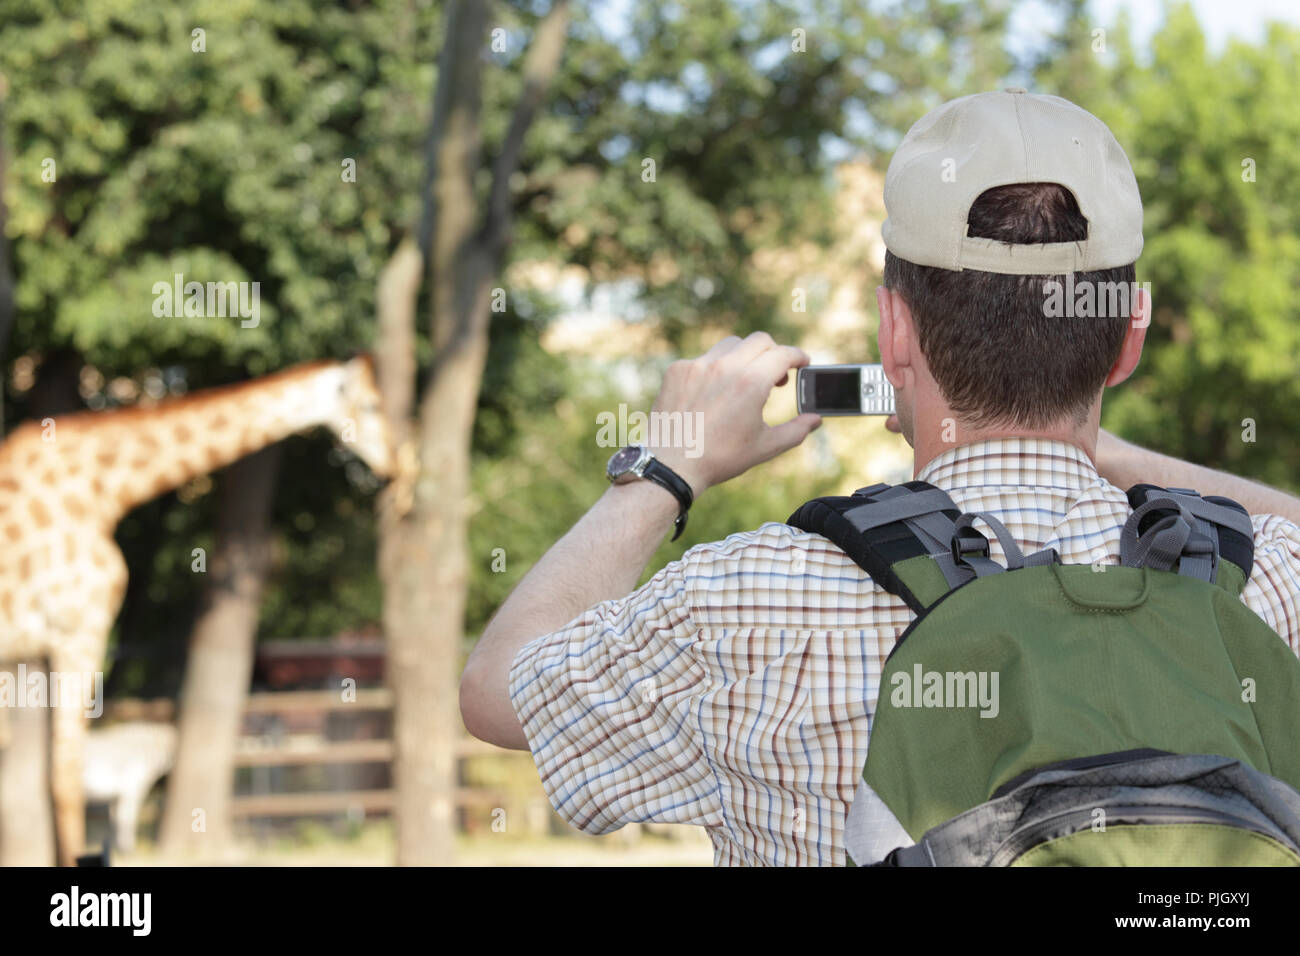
(984,198)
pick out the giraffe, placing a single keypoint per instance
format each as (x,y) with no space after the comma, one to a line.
(122,763)
(65,483)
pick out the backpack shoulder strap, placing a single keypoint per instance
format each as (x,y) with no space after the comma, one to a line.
(1175,529)
(910,538)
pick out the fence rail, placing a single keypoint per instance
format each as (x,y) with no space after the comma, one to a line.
(255,751)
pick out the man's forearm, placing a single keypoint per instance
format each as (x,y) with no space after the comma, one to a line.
(601,557)
(1124,464)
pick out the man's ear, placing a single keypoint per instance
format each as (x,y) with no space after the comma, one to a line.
(894,338)
(1131,352)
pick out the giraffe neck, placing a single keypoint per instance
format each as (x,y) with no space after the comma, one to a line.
(133,455)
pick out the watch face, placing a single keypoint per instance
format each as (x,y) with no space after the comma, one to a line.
(623,461)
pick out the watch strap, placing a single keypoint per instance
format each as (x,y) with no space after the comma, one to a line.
(666,478)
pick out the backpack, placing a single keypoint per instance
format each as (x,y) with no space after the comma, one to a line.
(1044,714)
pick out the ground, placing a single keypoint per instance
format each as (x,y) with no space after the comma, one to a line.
(371,844)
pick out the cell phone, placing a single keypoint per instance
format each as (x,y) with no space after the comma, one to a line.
(844,390)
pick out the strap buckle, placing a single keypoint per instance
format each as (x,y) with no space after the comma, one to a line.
(967,542)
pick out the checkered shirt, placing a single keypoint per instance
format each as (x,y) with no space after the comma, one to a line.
(735,689)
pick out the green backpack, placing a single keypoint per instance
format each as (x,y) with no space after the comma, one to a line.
(1043,714)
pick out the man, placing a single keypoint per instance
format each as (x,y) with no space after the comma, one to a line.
(735,689)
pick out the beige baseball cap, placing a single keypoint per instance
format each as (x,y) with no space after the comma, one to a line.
(968,145)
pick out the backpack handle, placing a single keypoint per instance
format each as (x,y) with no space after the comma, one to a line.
(977,558)
(1180,539)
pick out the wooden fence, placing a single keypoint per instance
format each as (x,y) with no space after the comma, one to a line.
(255,751)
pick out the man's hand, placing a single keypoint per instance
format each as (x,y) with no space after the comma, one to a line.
(604,553)
(729,385)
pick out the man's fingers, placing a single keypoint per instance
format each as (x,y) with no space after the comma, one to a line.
(754,345)
(771,366)
(785,436)
(721,348)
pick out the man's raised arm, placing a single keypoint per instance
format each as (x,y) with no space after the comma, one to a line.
(1124,464)
(604,554)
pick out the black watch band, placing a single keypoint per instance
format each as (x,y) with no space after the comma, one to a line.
(665,477)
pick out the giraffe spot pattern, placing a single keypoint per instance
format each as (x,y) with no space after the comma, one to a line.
(40,513)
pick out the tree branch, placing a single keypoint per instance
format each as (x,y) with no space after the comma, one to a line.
(540,66)
(7,310)
(455,89)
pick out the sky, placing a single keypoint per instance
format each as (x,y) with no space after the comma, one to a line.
(1220,19)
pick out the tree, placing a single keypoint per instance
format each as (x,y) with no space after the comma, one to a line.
(1210,137)
(423,557)
(221,660)
(149,142)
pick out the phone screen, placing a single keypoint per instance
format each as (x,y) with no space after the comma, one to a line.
(838,391)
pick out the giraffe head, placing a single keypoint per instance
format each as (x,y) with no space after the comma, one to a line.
(359,420)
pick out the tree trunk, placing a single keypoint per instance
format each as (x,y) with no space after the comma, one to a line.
(26,813)
(423,542)
(7,309)
(221,662)
(417,668)
(58,385)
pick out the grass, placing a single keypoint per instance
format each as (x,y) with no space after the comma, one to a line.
(372,844)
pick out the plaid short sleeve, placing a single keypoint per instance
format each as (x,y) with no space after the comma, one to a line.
(610,706)
(1273,590)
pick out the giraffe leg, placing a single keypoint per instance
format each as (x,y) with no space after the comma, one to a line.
(126,813)
(67,753)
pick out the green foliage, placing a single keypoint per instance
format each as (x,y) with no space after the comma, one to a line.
(226,165)
(1222,252)
(738,105)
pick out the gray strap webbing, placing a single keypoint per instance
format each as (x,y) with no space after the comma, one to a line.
(922,512)
(952,573)
(1187,539)
(1161,545)
(1201,554)
(917,855)
(897,507)
(983,567)
(935,531)
(1218,514)
(1015,557)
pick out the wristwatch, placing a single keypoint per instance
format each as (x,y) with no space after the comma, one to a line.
(636,461)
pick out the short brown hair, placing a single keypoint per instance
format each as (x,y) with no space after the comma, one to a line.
(996,354)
